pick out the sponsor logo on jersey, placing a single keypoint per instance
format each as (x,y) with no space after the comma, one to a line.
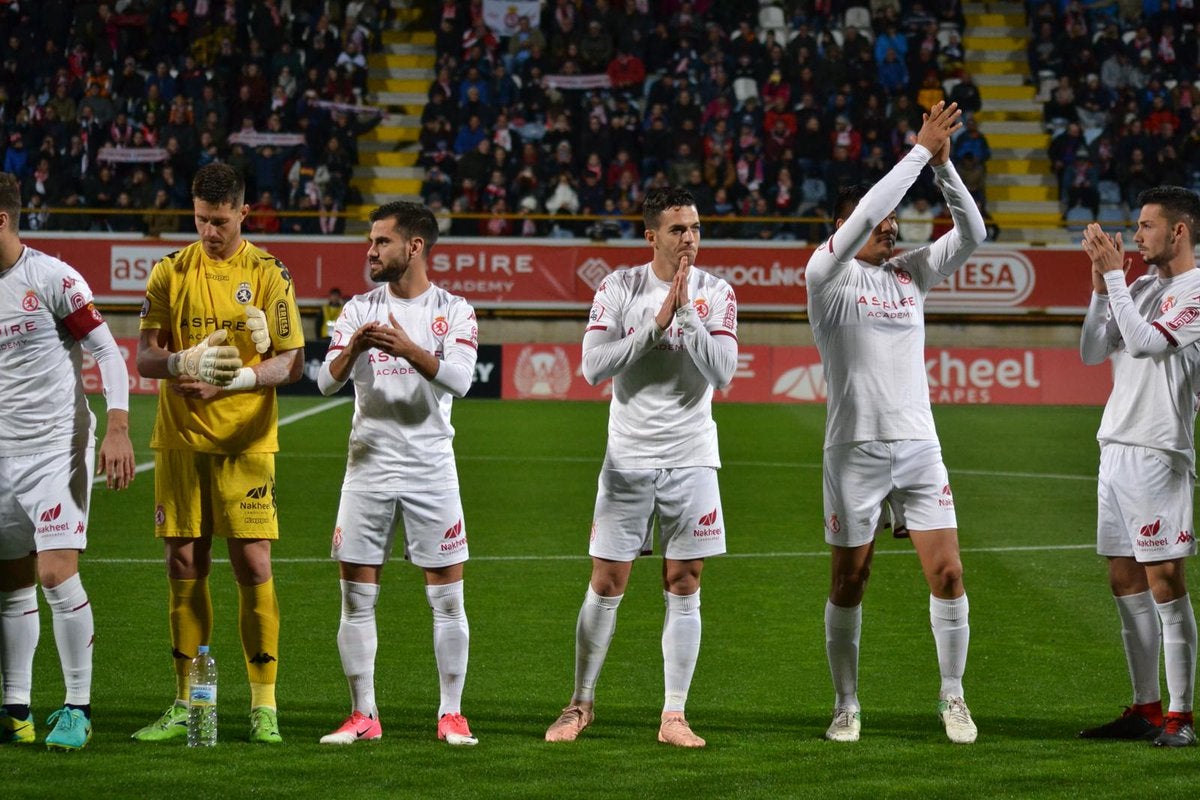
(1167,304)
(1185,537)
(730,320)
(337,538)
(834,525)
(596,313)
(1184,317)
(243,294)
(283,319)
(78,301)
(160,516)
(283,273)
(453,538)
(701,307)
(30,301)
(542,372)
(440,326)
(903,276)
(68,284)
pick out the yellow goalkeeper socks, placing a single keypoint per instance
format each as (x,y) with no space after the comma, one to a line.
(190,619)
(258,618)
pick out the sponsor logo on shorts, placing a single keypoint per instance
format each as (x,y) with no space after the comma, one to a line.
(259,500)
(453,538)
(160,515)
(48,523)
(440,326)
(243,294)
(706,528)
(834,525)
(592,535)
(1185,537)
(337,538)
(947,498)
(80,528)
(1147,533)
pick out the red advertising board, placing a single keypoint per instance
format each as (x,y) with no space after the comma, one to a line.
(564,274)
(957,375)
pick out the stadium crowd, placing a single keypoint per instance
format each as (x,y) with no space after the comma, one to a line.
(1122,99)
(762,112)
(115,105)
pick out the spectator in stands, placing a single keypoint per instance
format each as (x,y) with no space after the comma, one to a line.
(1064,149)
(966,94)
(1092,103)
(893,74)
(971,140)
(626,71)
(916,220)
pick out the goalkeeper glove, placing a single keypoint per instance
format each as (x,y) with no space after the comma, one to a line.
(209,361)
(256,322)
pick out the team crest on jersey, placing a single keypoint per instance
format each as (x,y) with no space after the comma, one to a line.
(30,301)
(145,308)
(1167,304)
(903,276)
(440,326)
(243,294)
(701,307)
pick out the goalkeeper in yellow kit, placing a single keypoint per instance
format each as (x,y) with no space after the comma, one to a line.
(221,329)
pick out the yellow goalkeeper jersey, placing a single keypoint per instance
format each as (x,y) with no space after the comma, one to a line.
(189,295)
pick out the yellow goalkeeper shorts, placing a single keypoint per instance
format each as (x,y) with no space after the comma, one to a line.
(206,494)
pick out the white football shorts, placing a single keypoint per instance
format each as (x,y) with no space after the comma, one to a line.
(435,534)
(44,501)
(1144,505)
(860,476)
(685,500)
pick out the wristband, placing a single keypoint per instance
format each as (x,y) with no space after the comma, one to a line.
(245,379)
(173,364)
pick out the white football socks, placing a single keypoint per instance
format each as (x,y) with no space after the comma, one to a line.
(593,633)
(843,629)
(19,631)
(1179,651)
(951,636)
(358,641)
(451,642)
(74,631)
(680,646)
(1142,636)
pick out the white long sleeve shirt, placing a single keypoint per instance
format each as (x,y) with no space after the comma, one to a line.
(1150,330)
(401,437)
(869,321)
(661,410)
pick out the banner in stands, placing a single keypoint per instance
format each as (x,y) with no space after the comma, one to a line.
(564,274)
(957,375)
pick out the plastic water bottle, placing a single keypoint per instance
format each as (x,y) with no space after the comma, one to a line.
(202,700)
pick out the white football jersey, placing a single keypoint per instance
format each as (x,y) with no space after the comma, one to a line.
(401,437)
(1153,400)
(869,322)
(45,310)
(661,410)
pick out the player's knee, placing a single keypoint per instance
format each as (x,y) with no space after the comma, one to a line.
(945,580)
(850,582)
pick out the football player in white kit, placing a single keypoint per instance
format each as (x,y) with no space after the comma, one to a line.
(47,452)
(410,348)
(867,310)
(666,333)
(1147,454)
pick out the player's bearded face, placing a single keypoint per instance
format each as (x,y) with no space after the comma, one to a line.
(220,227)
(1155,239)
(390,253)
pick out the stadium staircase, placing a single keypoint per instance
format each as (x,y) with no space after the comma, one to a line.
(398,80)
(1022,192)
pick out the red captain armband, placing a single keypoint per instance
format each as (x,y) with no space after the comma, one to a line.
(83,321)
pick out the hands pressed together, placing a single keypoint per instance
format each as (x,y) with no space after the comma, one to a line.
(937,127)
(1107,254)
(677,296)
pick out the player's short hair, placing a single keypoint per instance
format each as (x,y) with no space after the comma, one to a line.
(410,219)
(847,200)
(219,184)
(1178,205)
(10,197)
(659,200)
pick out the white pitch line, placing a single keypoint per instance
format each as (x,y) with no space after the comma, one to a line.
(583,556)
(146,466)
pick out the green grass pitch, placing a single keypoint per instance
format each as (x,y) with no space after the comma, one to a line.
(1045,653)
